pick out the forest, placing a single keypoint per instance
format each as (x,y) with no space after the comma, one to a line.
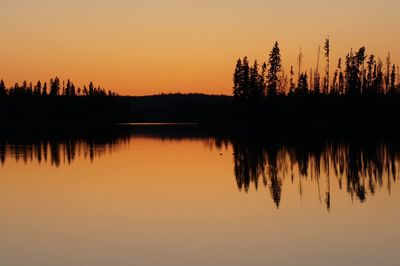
(59,103)
(355,75)
(363,92)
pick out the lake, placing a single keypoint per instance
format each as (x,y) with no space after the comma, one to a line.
(188,195)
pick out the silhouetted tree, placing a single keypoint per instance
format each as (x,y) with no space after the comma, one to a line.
(85,91)
(292,85)
(245,78)
(393,80)
(72,90)
(353,63)
(24,88)
(371,65)
(91,89)
(334,88)
(317,77)
(377,86)
(387,75)
(44,93)
(275,65)
(256,89)
(317,83)
(340,89)
(54,86)
(38,89)
(237,80)
(3,91)
(282,83)
(302,86)
(67,91)
(29,90)
(398,76)
(327,56)
(262,79)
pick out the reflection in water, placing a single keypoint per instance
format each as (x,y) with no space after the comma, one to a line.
(59,151)
(360,168)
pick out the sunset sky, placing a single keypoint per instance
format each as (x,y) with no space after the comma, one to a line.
(141,47)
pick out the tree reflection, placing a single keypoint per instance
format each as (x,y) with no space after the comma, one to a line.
(59,150)
(359,168)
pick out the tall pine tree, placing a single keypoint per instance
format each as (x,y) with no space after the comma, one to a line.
(275,66)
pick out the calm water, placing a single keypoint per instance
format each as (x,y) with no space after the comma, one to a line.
(179,196)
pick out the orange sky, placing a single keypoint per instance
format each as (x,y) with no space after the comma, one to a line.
(143,47)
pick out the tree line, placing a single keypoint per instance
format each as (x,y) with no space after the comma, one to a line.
(357,74)
(59,103)
(54,88)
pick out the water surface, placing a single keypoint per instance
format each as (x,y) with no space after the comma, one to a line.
(164,195)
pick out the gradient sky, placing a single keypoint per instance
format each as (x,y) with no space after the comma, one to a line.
(141,47)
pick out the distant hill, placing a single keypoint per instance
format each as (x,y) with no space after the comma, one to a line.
(311,111)
(194,108)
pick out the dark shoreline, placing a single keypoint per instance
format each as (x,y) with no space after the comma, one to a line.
(311,113)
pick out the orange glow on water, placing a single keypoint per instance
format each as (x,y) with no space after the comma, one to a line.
(154,202)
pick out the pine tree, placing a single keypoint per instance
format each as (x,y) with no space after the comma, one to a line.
(67,91)
(317,83)
(327,56)
(245,78)
(398,76)
(254,81)
(22,91)
(237,79)
(360,56)
(378,82)
(317,78)
(299,62)
(335,82)
(38,89)
(353,73)
(275,66)
(44,91)
(72,90)
(393,80)
(91,89)
(55,86)
(292,85)
(387,75)
(3,91)
(262,80)
(341,77)
(302,85)
(370,69)
(29,90)
(85,91)
(282,83)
